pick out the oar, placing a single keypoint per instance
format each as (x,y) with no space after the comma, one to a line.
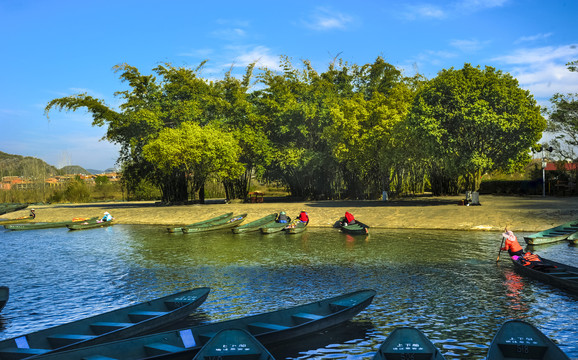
(498,259)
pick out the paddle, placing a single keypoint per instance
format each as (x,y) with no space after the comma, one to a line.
(498,259)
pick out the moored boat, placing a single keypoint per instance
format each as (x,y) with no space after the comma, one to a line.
(558,233)
(255,225)
(573,238)
(273,227)
(296,228)
(357,228)
(217,219)
(117,324)
(20,220)
(269,328)
(45,225)
(90,224)
(517,339)
(407,343)
(233,344)
(235,220)
(556,274)
(4,295)
(10,207)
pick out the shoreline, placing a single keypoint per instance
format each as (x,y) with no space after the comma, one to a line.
(522,214)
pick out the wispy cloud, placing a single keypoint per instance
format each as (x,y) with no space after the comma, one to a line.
(428,11)
(468,45)
(197,53)
(262,55)
(324,18)
(477,5)
(533,38)
(431,10)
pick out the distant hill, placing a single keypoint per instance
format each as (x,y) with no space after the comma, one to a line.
(28,166)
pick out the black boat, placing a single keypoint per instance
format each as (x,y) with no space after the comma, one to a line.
(4,295)
(269,328)
(233,344)
(517,339)
(556,274)
(407,343)
(122,323)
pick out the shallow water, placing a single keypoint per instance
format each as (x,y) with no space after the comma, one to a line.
(445,283)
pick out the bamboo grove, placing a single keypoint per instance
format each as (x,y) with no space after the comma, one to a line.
(351,131)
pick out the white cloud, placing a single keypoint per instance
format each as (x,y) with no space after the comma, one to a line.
(424,11)
(261,54)
(198,53)
(468,45)
(476,5)
(327,19)
(533,38)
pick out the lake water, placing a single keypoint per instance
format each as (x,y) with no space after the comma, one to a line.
(446,283)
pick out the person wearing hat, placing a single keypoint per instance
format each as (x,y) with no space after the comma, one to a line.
(32,214)
(283,218)
(511,244)
(303,217)
(106,217)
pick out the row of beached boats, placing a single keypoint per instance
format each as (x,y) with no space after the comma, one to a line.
(11,207)
(131,333)
(75,224)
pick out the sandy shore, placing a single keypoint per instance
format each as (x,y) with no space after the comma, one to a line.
(526,214)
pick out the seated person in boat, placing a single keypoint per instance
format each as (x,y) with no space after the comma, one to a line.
(32,214)
(106,217)
(349,219)
(533,261)
(303,216)
(282,218)
(512,245)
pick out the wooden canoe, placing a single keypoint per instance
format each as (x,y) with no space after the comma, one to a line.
(235,220)
(20,220)
(273,227)
(223,217)
(573,238)
(558,233)
(91,224)
(269,328)
(4,295)
(117,324)
(407,343)
(255,225)
(517,339)
(233,344)
(357,228)
(45,225)
(563,276)
(8,208)
(296,228)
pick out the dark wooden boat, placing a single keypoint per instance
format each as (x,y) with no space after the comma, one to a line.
(117,324)
(357,228)
(4,295)
(233,344)
(562,276)
(223,217)
(235,220)
(558,233)
(296,228)
(255,225)
(269,328)
(407,343)
(517,339)
(89,224)
(273,227)
(45,225)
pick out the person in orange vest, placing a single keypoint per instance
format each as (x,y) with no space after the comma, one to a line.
(512,245)
(535,262)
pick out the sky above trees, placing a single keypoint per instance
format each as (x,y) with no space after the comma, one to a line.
(60,48)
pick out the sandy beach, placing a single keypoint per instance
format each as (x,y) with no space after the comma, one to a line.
(526,214)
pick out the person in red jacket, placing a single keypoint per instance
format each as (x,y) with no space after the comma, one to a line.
(349,219)
(303,217)
(512,245)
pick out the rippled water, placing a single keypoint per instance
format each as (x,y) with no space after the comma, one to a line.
(445,283)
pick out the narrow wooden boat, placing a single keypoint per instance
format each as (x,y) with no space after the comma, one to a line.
(517,339)
(562,276)
(296,228)
(269,328)
(233,344)
(45,225)
(117,324)
(8,208)
(255,225)
(407,343)
(573,238)
(232,222)
(273,227)
(357,228)
(558,233)
(89,225)
(20,220)
(223,217)
(4,295)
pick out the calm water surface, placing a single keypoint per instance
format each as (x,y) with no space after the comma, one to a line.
(445,283)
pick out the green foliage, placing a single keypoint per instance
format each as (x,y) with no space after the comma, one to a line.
(77,191)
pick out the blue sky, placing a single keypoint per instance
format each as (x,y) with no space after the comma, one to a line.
(53,48)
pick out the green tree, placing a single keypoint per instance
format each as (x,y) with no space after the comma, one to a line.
(563,121)
(471,121)
(197,152)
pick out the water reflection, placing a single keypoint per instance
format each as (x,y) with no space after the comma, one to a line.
(445,283)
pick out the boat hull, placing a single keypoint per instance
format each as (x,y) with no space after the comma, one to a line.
(255,225)
(555,234)
(273,228)
(233,343)
(89,225)
(48,225)
(407,343)
(296,229)
(564,276)
(221,218)
(4,295)
(517,339)
(232,222)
